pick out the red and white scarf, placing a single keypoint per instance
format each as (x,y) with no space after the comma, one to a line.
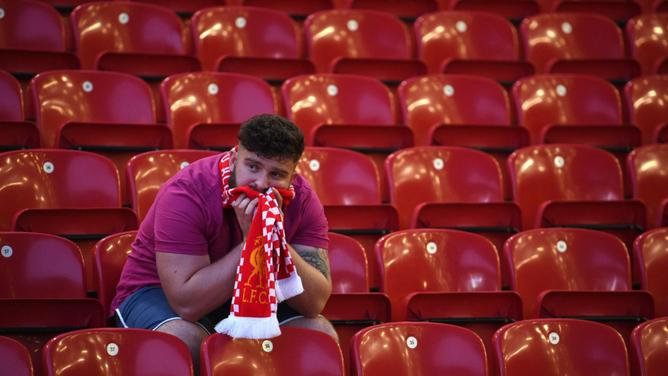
(265,274)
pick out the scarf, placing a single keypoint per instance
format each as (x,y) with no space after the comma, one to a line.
(265,274)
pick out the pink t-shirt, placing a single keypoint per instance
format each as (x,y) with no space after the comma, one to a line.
(187,218)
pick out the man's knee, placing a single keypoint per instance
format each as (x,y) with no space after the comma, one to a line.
(319,323)
(190,333)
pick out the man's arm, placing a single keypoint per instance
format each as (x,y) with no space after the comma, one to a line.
(312,265)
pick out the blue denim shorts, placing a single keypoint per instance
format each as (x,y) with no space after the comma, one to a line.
(148,308)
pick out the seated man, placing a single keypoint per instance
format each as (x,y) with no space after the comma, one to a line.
(180,276)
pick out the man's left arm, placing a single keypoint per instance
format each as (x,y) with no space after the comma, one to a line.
(312,265)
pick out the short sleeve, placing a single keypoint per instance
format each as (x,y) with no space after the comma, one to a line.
(313,227)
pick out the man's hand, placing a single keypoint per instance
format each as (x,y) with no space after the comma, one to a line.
(245,208)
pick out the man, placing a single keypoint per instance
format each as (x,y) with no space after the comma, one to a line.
(180,275)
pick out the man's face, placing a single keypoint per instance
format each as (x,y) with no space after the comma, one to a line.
(258,172)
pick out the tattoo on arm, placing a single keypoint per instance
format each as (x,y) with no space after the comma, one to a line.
(316,257)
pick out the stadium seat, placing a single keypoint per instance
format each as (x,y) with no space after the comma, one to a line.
(472,42)
(418,349)
(446,276)
(15,131)
(297,9)
(364,42)
(616,10)
(515,10)
(451,187)
(110,113)
(407,11)
(116,351)
(649,353)
(577,43)
(661,6)
(649,176)
(205,109)
(15,357)
(554,347)
(148,171)
(651,251)
(32,38)
(296,351)
(645,35)
(184,8)
(70,193)
(271,48)
(348,185)
(110,255)
(44,290)
(647,105)
(564,185)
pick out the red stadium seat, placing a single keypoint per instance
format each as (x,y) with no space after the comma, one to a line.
(297,9)
(15,357)
(205,109)
(451,187)
(296,351)
(511,9)
(110,256)
(554,347)
(69,193)
(184,8)
(15,131)
(647,104)
(472,42)
(418,349)
(617,10)
(348,185)
(365,42)
(116,351)
(271,48)
(44,289)
(649,353)
(148,171)
(648,166)
(577,43)
(406,10)
(32,38)
(646,40)
(446,276)
(651,251)
(573,186)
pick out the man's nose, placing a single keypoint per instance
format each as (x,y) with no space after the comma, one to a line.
(261,184)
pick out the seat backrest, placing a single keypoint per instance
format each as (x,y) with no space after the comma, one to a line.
(446,35)
(648,347)
(208,97)
(36,265)
(648,167)
(15,357)
(355,33)
(565,99)
(296,351)
(565,259)
(348,264)
(451,99)
(31,25)
(417,348)
(312,100)
(148,171)
(441,174)
(562,172)
(645,35)
(217,33)
(435,260)
(112,26)
(11,98)
(117,351)
(89,96)
(651,252)
(340,176)
(553,347)
(568,36)
(297,9)
(647,103)
(55,179)
(110,256)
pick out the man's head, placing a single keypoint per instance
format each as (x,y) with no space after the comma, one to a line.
(269,149)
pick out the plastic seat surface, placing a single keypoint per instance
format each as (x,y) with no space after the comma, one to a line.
(651,251)
(296,351)
(15,132)
(647,105)
(649,179)
(116,351)
(15,357)
(646,41)
(648,351)
(110,256)
(418,348)
(554,347)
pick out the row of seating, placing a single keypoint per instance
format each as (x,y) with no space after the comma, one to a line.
(150,40)
(546,347)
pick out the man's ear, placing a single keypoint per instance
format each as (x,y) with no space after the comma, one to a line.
(233,157)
